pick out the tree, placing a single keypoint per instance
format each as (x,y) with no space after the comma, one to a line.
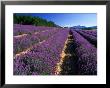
(29,20)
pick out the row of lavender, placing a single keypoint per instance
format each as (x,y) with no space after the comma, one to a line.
(86,54)
(41,59)
(28,29)
(24,42)
(87,35)
(90,32)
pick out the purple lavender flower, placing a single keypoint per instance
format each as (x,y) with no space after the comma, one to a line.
(42,58)
(87,55)
(92,39)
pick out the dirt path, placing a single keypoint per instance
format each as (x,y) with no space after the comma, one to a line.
(67,64)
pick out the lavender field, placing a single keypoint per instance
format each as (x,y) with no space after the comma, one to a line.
(41,50)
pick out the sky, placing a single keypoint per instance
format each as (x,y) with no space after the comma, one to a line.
(68,19)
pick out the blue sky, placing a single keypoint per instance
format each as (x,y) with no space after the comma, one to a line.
(68,19)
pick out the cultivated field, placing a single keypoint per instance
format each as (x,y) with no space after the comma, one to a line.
(39,50)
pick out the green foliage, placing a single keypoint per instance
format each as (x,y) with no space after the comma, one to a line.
(29,20)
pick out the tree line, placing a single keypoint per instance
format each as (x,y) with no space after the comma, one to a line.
(30,20)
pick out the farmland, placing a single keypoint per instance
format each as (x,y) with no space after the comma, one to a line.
(40,50)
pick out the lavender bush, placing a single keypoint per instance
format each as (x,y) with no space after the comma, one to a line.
(42,58)
(29,29)
(92,39)
(23,42)
(91,32)
(87,55)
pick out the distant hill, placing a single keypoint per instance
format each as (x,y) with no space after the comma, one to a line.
(83,27)
(78,27)
(30,20)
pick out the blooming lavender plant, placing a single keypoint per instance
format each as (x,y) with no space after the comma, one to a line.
(87,55)
(29,29)
(90,32)
(41,59)
(92,39)
(24,42)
